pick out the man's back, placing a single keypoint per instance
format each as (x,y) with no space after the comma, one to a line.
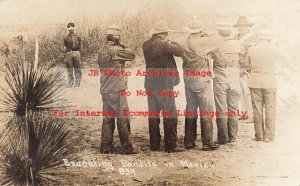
(226,68)
(159,56)
(263,58)
(158,52)
(195,58)
(111,60)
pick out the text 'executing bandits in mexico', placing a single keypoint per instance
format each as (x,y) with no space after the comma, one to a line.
(237,65)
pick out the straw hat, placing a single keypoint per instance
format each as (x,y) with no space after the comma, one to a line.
(159,27)
(195,26)
(242,21)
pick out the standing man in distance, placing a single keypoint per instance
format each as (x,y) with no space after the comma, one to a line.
(72,44)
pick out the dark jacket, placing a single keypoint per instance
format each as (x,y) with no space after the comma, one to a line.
(159,56)
(112,58)
(72,42)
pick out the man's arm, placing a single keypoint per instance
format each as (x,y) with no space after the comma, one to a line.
(103,59)
(248,61)
(173,48)
(124,55)
(218,57)
(79,41)
(65,44)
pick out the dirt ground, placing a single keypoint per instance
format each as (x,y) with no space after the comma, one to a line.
(245,162)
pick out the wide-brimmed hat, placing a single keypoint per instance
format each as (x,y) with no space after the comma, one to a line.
(113,30)
(265,34)
(243,21)
(159,27)
(195,26)
(224,26)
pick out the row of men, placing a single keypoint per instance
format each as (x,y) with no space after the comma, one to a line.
(228,57)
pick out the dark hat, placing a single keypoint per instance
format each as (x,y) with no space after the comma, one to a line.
(70,25)
(243,21)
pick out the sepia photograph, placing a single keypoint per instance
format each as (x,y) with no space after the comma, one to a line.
(149,92)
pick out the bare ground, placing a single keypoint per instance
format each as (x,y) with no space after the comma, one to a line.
(245,162)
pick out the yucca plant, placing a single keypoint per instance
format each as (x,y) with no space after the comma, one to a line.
(31,144)
(35,150)
(29,88)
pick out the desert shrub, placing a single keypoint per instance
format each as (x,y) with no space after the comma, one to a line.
(33,147)
(135,30)
(29,89)
(32,143)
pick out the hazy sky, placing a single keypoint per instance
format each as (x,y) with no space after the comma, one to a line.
(52,11)
(44,11)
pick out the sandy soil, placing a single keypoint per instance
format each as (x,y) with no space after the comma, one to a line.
(245,162)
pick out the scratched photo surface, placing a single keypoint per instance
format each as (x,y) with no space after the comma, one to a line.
(60,92)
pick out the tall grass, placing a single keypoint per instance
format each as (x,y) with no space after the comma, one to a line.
(135,30)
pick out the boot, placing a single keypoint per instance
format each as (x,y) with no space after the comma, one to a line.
(190,132)
(222,131)
(232,128)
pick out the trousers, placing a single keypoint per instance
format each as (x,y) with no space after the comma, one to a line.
(73,63)
(227,100)
(113,102)
(199,96)
(245,98)
(264,104)
(158,103)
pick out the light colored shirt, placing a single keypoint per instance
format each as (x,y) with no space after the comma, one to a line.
(195,58)
(226,57)
(263,59)
(246,41)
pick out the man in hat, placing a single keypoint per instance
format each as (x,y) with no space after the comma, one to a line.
(246,39)
(198,90)
(159,56)
(72,44)
(112,57)
(226,84)
(263,58)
